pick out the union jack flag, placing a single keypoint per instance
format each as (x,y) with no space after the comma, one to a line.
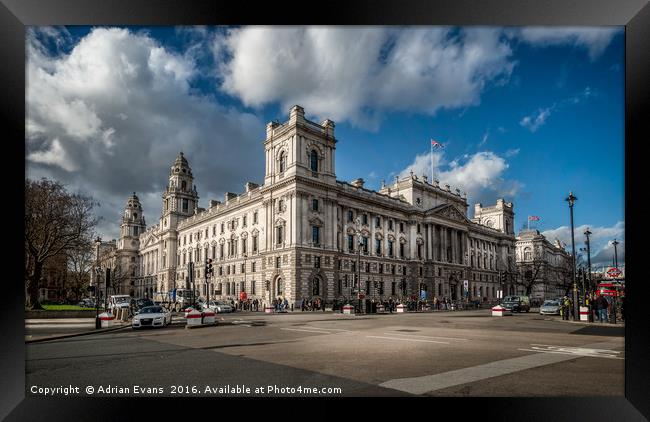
(436,144)
(533,218)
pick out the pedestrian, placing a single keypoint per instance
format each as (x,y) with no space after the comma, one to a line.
(601,308)
(566,305)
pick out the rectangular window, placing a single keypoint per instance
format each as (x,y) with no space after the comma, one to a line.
(390,224)
(401,250)
(279,235)
(254,244)
(228,269)
(253,266)
(378,222)
(317,262)
(401,227)
(350,216)
(381,268)
(252,286)
(277,262)
(403,269)
(419,251)
(418,228)
(367,267)
(377,247)
(244,246)
(364,240)
(365,219)
(392,269)
(185,205)
(135,230)
(353,266)
(255,217)
(390,248)
(222,228)
(243,221)
(350,243)
(314,204)
(243,268)
(315,235)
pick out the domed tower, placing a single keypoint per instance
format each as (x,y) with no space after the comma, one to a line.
(180,199)
(133,224)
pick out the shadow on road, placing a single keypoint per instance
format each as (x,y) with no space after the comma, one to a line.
(595,330)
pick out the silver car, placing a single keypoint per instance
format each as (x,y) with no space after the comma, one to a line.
(151,316)
(219,307)
(550,307)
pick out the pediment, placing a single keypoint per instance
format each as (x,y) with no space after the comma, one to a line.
(150,240)
(449,212)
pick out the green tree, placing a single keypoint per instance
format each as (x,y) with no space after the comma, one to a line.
(55,222)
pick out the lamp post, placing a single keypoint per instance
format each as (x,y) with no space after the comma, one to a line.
(98,273)
(571,200)
(615,243)
(587,234)
(357,232)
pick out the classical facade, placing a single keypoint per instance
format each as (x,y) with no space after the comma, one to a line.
(304,234)
(543,266)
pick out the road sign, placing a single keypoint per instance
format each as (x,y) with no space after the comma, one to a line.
(613,272)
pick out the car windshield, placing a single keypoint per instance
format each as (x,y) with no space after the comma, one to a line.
(511,299)
(152,310)
(550,303)
(122,299)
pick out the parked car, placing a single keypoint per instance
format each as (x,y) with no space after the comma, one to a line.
(550,307)
(219,306)
(152,316)
(118,301)
(516,303)
(137,304)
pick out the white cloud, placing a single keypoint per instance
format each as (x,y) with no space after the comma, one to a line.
(512,152)
(484,139)
(358,73)
(593,39)
(602,251)
(481,175)
(536,120)
(112,113)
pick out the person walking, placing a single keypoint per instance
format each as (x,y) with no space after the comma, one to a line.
(601,308)
(566,308)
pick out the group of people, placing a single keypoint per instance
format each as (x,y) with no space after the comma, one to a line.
(312,305)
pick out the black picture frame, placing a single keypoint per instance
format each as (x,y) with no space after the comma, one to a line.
(633,14)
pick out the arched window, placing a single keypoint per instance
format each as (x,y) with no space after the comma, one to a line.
(528,255)
(316,287)
(313,160)
(283,162)
(280,287)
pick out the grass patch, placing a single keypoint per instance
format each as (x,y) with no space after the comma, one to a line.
(65,308)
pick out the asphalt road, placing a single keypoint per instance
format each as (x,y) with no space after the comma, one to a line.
(461,353)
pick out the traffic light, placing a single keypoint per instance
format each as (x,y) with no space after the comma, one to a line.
(208,268)
(504,277)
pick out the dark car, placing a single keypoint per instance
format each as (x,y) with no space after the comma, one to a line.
(138,304)
(516,303)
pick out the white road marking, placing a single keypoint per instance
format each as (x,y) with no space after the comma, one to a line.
(408,339)
(414,335)
(577,351)
(308,331)
(427,383)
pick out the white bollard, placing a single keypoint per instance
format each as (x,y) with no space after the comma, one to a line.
(348,310)
(194,317)
(500,311)
(268,309)
(107,319)
(401,308)
(584,313)
(208,317)
(380,309)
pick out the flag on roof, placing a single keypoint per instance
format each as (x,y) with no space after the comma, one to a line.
(533,218)
(436,144)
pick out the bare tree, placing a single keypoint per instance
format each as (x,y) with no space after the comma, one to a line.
(529,273)
(80,264)
(55,222)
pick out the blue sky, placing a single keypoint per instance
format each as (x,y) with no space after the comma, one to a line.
(524,113)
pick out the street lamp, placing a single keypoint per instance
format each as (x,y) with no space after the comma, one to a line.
(587,234)
(571,200)
(357,232)
(98,273)
(615,243)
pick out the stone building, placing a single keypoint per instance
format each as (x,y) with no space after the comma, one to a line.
(303,234)
(542,266)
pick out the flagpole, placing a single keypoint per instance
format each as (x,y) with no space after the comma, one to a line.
(431,154)
(529,222)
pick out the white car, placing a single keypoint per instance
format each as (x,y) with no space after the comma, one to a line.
(152,316)
(219,307)
(119,301)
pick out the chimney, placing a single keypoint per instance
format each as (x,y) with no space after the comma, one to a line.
(214,203)
(250,186)
(297,113)
(329,127)
(229,195)
(357,183)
